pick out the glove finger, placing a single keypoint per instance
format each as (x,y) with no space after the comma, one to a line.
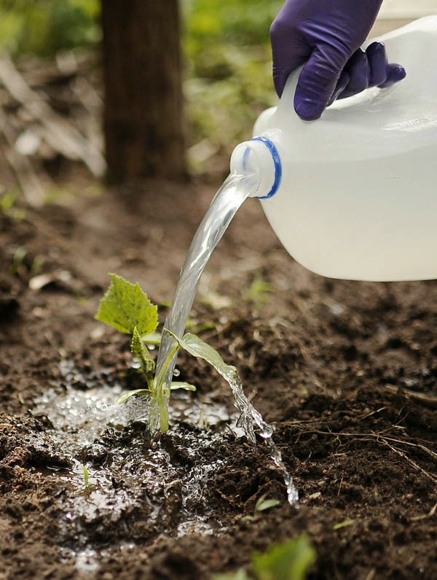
(279,79)
(342,83)
(287,55)
(317,81)
(357,68)
(378,63)
(395,73)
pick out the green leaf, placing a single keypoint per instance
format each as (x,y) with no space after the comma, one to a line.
(177,385)
(288,561)
(125,306)
(141,352)
(140,392)
(200,349)
(344,524)
(86,476)
(152,338)
(264,504)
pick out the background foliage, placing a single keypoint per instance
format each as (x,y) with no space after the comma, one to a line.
(227,57)
(44,27)
(228,60)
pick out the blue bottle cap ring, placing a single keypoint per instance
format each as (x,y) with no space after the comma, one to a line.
(277,163)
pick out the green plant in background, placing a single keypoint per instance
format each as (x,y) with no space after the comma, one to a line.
(290,560)
(48,26)
(228,81)
(8,204)
(127,308)
(258,293)
(242,22)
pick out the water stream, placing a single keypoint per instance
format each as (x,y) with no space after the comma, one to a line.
(223,208)
(235,190)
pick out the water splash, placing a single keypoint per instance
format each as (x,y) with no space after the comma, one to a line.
(235,190)
(249,418)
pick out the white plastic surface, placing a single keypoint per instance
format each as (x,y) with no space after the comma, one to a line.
(358,197)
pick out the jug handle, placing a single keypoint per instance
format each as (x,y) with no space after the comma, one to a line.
(286,102)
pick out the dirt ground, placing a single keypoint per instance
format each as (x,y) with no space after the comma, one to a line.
(346,372)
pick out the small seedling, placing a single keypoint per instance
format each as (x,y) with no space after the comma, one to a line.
(8,205)
(263,504)
(258,293)
(86,477)
(128,309)
(290,560)
(344,524)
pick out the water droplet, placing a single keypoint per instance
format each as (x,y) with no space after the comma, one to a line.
(135,364)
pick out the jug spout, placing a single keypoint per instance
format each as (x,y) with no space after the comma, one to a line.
(258,161)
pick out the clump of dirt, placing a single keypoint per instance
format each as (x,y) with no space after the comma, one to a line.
(345,371)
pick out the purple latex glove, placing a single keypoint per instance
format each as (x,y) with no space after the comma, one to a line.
(325,36)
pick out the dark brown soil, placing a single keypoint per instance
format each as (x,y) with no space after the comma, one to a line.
(346,371)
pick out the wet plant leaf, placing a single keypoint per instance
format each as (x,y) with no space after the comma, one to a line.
(125,306)
(152,338)
(140,392)
(200,349)
(141,352)
(178,385)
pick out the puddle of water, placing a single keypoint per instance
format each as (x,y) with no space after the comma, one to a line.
(87,562)
(166,480)
(126,475)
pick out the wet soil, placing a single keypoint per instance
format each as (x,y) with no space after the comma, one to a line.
(346,372)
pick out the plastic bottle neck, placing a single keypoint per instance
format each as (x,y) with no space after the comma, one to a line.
(258,160)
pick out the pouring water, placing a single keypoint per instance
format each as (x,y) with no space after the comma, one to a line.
(223,208)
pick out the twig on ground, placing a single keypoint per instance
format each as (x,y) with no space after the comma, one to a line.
(430,514)
(427,400)
(56,130)
(31,186)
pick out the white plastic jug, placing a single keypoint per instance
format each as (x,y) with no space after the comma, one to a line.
(353,195)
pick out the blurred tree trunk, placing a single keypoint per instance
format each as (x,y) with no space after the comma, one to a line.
(143,78)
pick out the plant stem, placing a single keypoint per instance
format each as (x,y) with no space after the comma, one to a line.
(161,393)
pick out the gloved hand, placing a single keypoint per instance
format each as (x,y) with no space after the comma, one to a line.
(325,36)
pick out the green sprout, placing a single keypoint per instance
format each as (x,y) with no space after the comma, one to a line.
(258,292)
(290,560)
(8,204)
(86,477)
(128,309)
(263,504)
